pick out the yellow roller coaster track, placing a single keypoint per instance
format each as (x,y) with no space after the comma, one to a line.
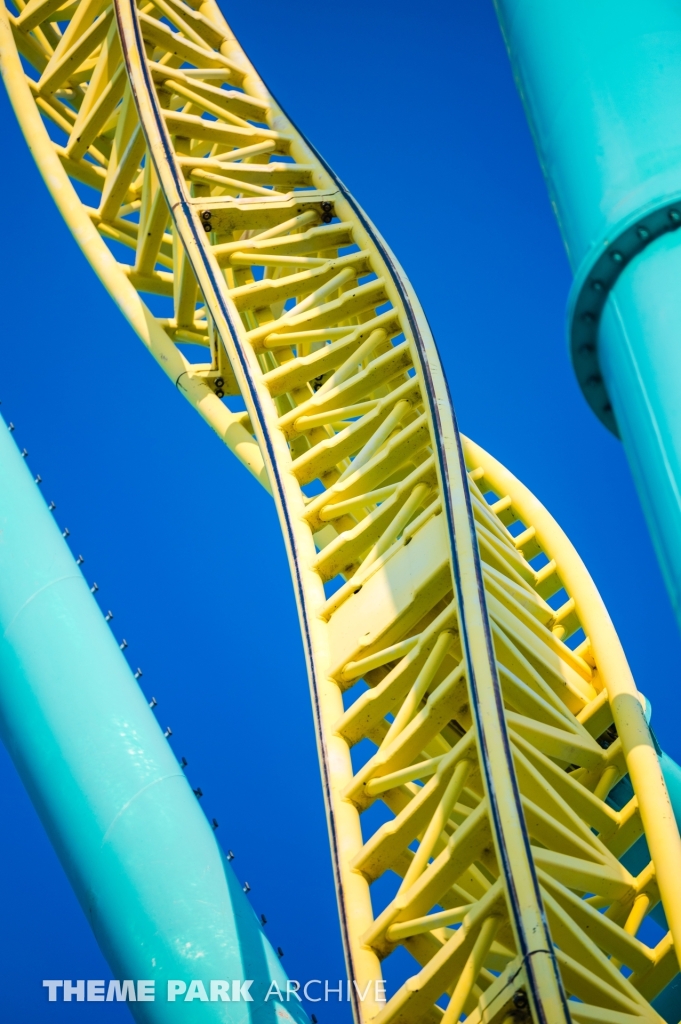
(453,637)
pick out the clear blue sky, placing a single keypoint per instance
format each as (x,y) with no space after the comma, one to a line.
(415,108)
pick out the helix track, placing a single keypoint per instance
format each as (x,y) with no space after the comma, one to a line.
(473,706)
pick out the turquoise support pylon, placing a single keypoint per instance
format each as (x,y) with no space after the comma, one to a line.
(157,890)
(601,84)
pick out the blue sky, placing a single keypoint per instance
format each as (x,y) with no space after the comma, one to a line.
(415,108)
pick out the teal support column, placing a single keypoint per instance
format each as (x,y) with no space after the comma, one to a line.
(601,84)
(161,899)
(640,357)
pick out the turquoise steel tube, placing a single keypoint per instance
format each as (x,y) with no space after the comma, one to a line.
(640,356)
(601,84)
(160,897)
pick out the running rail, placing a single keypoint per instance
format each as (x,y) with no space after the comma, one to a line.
(446,620)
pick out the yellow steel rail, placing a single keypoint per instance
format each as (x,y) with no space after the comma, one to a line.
(465,677)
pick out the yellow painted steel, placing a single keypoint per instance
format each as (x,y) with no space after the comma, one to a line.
(464,673)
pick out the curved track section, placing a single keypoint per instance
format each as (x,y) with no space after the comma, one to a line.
(473,707)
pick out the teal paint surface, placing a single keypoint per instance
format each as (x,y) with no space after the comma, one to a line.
(158,892)
(600,83)
(640,357)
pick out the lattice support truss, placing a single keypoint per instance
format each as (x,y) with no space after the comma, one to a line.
(474,709)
